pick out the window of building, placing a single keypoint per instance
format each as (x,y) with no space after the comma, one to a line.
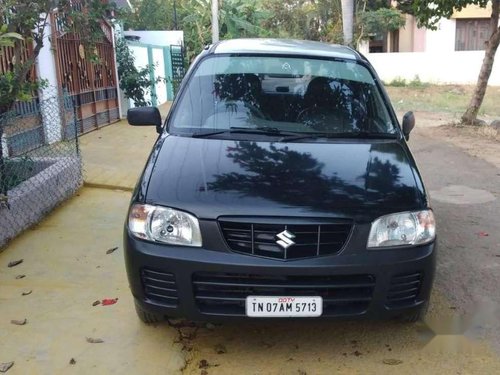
(472,34)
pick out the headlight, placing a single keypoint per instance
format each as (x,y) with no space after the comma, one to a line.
(163,224)
(403,229)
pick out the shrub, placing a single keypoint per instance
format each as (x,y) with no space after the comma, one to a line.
(398,82)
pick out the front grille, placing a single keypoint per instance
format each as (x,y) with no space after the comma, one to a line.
(310,239)
(225,293)
(159,287)
(404,290)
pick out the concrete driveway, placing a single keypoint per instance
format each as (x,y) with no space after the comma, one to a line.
(67,269)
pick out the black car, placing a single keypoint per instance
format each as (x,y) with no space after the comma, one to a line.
(281,185)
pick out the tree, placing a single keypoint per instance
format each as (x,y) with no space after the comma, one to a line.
(237,19)
(428,13)
(348,21)
(135,82)
(8,39)
(300,19)
(380,21)
(29,20)
(151,15)
(25,21)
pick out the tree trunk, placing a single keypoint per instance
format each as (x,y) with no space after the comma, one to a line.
(470,115)
(348,21)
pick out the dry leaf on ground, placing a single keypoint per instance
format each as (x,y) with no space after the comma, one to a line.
(109,301)
(92,340)
(4,367)
(20,322)
(15,263)
(112,250)
(220,349)
(392,361)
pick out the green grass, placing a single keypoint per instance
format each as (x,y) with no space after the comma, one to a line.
(401,82)
(16,171)
(441,98)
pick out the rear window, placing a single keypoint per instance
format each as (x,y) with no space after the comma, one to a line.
(291,94)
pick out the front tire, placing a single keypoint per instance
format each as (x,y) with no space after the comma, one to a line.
(147,317)
(416,316)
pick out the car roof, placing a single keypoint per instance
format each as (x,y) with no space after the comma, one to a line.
(285,46)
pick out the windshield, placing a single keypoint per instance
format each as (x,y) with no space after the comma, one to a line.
(299,95)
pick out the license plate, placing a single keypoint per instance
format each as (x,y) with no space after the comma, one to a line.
(283,307)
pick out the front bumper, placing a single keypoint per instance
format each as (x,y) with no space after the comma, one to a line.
(201,284)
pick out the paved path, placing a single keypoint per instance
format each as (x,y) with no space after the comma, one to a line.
(465,194)
(114,156)
(67,269)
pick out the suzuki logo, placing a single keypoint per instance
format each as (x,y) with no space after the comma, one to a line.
(285,239)
(286,67)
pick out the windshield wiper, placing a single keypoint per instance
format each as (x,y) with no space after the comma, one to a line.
(288,136)
(268,130)
(265,130)
(373,135)
(208,134)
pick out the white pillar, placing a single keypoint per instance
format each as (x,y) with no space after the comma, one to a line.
(215,21)
(364,47)
(50,103)
(117,32)
(5,151)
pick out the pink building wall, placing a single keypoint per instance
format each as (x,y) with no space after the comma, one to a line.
(419,35)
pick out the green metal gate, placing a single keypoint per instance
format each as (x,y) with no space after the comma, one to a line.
(178,66)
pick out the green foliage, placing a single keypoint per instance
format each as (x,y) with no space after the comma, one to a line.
(25,22)
(301,19)
(240,18)
(17,170)
(134,82)
(398,82)
(380,21)
(11,88)
(237,19)
(320,20)
(8,39)
(416,83)
(151,15)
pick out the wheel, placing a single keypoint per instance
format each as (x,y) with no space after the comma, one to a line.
(147,317)
(416,316)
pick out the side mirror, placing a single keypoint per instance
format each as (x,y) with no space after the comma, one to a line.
(145,116)
(408,124)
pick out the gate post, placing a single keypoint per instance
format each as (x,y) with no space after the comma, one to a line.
(49,98)
(152,76)
(168,73)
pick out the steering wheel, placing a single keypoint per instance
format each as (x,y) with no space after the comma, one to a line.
(325,119)
(316,118)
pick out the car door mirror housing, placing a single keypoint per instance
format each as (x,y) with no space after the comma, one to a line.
(408,124)
(145,116)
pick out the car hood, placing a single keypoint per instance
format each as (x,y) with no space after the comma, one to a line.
(345,179)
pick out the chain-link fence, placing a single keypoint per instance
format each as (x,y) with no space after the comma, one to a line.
(40,163)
